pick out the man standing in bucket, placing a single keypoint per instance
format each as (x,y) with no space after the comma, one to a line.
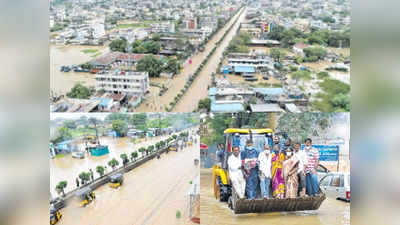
(249,161)
(311,168)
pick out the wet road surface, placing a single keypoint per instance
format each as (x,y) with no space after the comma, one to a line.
(150,195)
(213,212)
(199,90)
(189,103)
(68,168)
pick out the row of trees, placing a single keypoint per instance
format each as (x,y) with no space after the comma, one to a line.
(114,163)
(155,66)
(289,37)
(138,46)
(197,72)
(239,43)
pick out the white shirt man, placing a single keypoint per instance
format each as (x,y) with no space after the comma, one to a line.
(265,163)
(235,172)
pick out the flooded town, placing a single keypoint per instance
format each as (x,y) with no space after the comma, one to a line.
(185,56)
(283,139)
(199,112)
(124,168)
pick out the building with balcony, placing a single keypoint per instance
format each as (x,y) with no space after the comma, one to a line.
(123,82)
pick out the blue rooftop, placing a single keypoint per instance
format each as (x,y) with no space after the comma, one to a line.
(105,102)
(244,69)
(212,91)
(269,91)
(232,107)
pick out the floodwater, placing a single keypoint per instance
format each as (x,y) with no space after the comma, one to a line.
(198,90)
(150,194)
(199,87)
(331,212)
(68,168)
(61,55)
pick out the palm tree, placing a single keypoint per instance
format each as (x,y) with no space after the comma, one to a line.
(113,163)
(60,187)
(100,170)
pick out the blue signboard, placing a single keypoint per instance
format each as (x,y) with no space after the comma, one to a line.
(327,152)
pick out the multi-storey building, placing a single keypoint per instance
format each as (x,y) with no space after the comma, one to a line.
(123,82)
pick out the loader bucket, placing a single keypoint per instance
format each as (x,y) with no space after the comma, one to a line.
(242,206)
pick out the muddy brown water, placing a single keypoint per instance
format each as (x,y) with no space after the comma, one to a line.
(68,168)
(150,195)
(213,212)
(60,55)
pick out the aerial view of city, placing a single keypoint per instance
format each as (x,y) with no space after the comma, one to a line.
(165,111)
(185,56)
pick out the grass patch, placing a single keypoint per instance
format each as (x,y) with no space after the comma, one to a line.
(59,156)
(95,55)
(89,51)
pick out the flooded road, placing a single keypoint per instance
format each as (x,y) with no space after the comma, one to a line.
(331,212)
(195,92)
(68,168)
(61,82)
(199,90)
(150,195)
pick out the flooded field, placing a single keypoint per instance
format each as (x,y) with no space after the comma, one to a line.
(331,212)
(61,82)
(150,195)
(198,89)
(68,168)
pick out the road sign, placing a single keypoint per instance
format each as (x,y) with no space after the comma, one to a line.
(327,152)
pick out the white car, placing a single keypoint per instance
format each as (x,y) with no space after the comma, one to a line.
(336,185)
(78,154)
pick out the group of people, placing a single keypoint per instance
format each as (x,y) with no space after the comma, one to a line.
(286,171)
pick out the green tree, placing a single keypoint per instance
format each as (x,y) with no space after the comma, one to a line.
(150,64)
(81,92)
(300,126)
(174,136)
(205,104)
(70,124)
(124,158)
(100,170)
(120,127)
(318,52)
(84,176)
(118,45)
(277,54)
(63,134)
(150,148)
(139,121)
(158,145)
(61,186)
(134,155)
(142,149)
(301,75)
(113,163)
(172,65)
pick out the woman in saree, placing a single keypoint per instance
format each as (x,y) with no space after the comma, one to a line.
(290,168)
(278,183)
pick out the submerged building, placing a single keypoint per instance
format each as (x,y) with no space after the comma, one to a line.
(123,82)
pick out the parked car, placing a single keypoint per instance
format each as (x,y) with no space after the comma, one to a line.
(78,154)
(336,185)
(322,171)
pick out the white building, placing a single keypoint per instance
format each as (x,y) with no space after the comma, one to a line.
(131,83)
